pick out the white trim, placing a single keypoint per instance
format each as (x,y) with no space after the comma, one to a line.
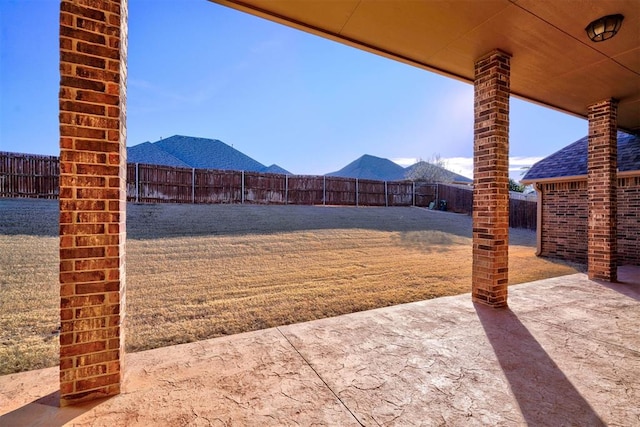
(539,219)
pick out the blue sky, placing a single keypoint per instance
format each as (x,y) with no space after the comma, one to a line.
(277,94)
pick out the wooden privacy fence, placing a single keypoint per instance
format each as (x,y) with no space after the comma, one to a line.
(164,184)
(523,213)
(25,175)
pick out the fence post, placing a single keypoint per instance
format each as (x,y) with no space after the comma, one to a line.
(193,185)
(386,195)
(324,189)
(286,189)
(413,196)
(242,187)
(357,195)
(137,183)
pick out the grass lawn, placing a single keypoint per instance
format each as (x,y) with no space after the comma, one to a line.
(201,271)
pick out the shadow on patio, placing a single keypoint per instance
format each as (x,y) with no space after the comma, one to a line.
(543,392)
(566,352)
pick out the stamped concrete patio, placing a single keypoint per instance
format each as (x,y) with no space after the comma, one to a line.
(566,352)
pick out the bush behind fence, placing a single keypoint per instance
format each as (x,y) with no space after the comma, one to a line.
(25,175)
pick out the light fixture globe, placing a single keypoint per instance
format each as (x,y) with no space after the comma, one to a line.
(604,28)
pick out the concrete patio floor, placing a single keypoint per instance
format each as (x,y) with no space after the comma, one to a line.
(566,352)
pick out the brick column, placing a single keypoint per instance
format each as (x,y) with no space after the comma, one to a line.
(93,35)
(602,188)
(491,179)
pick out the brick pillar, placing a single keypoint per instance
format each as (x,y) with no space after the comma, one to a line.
(491,179)
(93,35)
(602,188)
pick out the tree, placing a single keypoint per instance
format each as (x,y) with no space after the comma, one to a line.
(514,186)
(432,171)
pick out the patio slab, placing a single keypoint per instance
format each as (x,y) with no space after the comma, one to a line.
(565,352)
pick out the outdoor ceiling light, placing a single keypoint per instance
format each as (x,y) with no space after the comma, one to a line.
(604,28)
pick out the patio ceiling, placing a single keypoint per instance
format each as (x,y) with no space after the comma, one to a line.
(554,63)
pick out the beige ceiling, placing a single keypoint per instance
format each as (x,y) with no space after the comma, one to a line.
(554,63)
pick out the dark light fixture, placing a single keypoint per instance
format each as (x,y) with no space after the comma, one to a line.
(604,28)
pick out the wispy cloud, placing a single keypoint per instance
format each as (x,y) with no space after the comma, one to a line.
(460,165)
(405,161)
(516,162)
(518,166)
(152,97)
(145,97)
(464,165)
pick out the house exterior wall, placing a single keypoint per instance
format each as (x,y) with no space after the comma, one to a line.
(629,220)
(565,220)
(565,215)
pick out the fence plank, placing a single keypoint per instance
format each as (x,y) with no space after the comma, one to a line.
(264,188)
(400,193)
(27,175)
(425,194)
(340,191)
(218,186)
(523,213)
(371,193)
(305,190)
(459,200)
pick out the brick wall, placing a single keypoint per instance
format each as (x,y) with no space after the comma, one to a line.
(629,220)
(92,197)
(565,219)
(565,214)
(602,159)
(491,178)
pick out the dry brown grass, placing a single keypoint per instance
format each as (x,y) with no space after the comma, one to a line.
(196,272)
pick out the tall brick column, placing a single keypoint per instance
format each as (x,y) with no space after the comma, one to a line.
(491,179)
(93,46)
(602,188)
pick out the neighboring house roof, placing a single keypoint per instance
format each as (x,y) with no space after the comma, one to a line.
(445,175)
(572,159)
(276,169)
(371,167)
(207,153)
(192,152)
(379,169)
(150,153)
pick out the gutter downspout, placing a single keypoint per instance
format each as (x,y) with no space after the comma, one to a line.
(540,200)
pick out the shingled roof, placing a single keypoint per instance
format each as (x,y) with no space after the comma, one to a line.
(371,167)
(572,159)
(193,152)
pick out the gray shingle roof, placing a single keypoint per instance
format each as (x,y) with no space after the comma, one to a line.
(379,169)
(277,169)
(208,153)
(150,153)
(371,167)
(192,152)
(444,174)
(572,159)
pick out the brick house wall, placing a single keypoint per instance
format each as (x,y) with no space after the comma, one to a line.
(565,214)
(565,218)
(629,220)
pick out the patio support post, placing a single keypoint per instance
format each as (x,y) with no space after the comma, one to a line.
(491,179)
(93,52)
(602,187)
